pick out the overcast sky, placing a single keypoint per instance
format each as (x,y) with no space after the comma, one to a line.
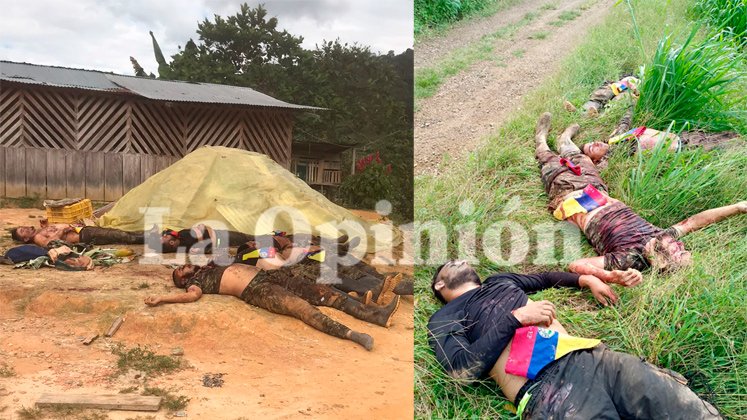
(102,35)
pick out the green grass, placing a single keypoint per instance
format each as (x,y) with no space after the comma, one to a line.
(565,17)
(435,17)
(170,400)
(144,360)
(693,321)
(519,53)
(539,35)
(428,80)
(728,15)
(696,84)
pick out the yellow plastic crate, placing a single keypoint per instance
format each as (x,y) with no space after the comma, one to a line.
(71,213)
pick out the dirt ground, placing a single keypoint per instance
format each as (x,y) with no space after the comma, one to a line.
(274,366)
(474,103)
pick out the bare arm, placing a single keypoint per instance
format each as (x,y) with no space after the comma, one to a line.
(191,295)
(594,266)
(709,217)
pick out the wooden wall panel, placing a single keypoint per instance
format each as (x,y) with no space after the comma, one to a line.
(213,126)
(102,124)
(15,172)
(270,133)
(130,171)
(56,174)
(112,176)
(147,167)
(75,168)
(49,119)
(36,172)
(157,129)
(11,116)
(94,176)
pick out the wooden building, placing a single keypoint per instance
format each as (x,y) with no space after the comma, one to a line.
(318,164)
(80,133)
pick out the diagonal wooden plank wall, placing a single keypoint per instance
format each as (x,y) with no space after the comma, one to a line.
(59,142)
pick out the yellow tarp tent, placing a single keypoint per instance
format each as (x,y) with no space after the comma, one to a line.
(236,188)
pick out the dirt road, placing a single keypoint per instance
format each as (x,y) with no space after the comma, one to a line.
(474,103)
(275,366)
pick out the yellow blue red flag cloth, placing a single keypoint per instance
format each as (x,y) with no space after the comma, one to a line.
(589,200)
(533,348)
(269,252)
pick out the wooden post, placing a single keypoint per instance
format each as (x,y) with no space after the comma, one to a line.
(2,171)
(352,165)
(112,176)
(130,172)
(106,402)
(75,170)
(95,176)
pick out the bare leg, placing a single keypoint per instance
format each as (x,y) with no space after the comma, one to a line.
(540,135)
(565,143)
(709,217)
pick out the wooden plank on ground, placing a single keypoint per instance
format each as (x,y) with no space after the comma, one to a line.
(106,402)
(36,173)
(131,171)
(112,176)
(95,176)
(56,178)
(15,172)
(2,172)
(147,167)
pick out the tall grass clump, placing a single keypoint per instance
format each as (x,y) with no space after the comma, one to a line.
(726,15)
(699,84)
(666,187)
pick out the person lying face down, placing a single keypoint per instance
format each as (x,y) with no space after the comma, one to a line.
(493,329)
(285,291)
(623,239)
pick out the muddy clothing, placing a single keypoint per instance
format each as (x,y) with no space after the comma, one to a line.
(599,98)
(599,383)
(207,278)
(620,235)
(559,180)
(289,291)
(469,333)
(94,235)
(25,253)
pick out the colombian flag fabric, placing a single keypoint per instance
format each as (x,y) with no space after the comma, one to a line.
(260,253)
(534,348)
(590,199)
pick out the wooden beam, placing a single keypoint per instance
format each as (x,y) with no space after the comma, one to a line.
(2,171)
(106,402)
(130,171)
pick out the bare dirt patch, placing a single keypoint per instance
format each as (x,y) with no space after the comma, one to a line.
(272,366)
(474,103)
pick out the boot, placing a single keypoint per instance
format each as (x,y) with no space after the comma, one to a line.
(365,299)
(386,294)
(381,316)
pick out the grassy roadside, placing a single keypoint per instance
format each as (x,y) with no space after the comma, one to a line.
(428,80)
(432,23)
(693,321)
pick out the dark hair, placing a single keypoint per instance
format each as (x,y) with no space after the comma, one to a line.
(437,293)
(175,279)
(661,258)
(16,237)
(453,282)
(167,248)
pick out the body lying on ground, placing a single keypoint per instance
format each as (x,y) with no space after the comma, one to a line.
(493,329)
(285,291)
(360,279)
(73,234)
(623,239)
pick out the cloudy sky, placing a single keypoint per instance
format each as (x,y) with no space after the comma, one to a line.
(103,34)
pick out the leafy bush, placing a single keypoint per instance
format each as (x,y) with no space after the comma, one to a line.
(364,189)
(696,84)
(430,13)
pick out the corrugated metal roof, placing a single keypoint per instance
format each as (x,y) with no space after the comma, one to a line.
(162,90)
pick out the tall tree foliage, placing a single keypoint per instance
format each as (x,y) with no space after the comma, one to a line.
(368,96)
